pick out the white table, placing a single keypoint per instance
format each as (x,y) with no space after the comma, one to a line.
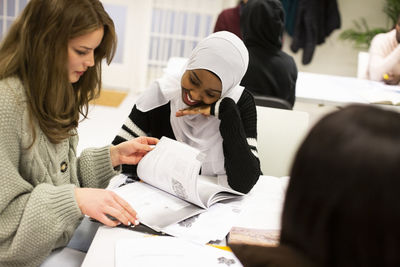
(320,94)
(338,90)
(262,211)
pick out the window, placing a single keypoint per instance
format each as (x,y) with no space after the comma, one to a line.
(9,10)
(176,28)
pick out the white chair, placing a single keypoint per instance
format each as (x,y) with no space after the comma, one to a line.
(279,134)
(362,65)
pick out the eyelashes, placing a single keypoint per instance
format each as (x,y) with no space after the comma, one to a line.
(81,53)
(193,81)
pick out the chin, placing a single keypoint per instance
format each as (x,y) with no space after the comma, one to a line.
(73,79)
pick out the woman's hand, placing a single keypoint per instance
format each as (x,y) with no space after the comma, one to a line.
(132,151)
(391,79)
(100,204)
(205,110)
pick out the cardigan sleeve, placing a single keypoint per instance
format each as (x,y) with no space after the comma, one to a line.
(94,167)
(34,218)
(238,129)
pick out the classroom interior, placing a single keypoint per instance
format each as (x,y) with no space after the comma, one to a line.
(150,33)
(147,40)
(334,57)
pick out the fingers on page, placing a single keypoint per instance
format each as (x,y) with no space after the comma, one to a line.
(127,207)
(118,214)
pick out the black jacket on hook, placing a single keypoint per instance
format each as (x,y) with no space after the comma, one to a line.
(315,20)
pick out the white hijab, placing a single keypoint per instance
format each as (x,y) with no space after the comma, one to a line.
(222,53)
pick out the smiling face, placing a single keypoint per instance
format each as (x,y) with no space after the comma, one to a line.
(200,87)
(81,53)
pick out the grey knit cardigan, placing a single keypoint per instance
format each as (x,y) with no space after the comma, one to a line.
(38,210)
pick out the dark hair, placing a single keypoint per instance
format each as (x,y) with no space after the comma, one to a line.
(35,50)
(342,206)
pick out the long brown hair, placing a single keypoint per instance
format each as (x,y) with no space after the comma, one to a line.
(36,50)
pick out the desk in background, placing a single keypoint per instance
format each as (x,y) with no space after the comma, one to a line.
(319,94)
(328,89)
(262,210)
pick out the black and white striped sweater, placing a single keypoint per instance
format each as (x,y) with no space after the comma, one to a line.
(238,129)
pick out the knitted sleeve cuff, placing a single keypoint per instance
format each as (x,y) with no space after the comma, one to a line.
(56,205)
(95,167)
(215,108)
(62,200)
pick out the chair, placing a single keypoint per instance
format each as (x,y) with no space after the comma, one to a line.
(362,65)
(273,102)
(279,134)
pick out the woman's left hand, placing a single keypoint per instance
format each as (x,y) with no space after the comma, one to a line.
(391,79)
(205,110)
(132,151)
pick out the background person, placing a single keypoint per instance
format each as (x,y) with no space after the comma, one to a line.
(229,19)
(271,71)
(384,56)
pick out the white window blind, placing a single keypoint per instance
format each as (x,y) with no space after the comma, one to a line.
(176,28)
(9,10)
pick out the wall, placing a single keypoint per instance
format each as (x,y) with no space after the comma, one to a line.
(336,56)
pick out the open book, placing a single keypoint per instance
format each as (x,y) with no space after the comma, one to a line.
(385,97)
(172,189)
(379,93)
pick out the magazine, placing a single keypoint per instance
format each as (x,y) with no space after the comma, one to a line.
(171,188)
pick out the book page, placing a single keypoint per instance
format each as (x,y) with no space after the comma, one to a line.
(211,192)
(156,208)
(173,167)
(212,225)
(378,96)
(379,93)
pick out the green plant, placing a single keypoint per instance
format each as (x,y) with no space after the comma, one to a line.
(392,10)
(362,35)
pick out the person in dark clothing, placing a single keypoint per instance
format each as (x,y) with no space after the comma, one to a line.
(229,19)
(342,202)
(271,71)
(205,107)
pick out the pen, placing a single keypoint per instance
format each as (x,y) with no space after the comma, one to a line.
(221,247)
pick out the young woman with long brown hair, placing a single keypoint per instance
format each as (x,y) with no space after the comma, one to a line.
(50,68)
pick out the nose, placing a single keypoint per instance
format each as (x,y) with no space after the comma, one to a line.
(89,61)
(195,95)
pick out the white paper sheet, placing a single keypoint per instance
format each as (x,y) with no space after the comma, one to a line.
(165,251)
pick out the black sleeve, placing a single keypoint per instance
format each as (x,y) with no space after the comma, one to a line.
(135,125)
(239,133)
(154,123)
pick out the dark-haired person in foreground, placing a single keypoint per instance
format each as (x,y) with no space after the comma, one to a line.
(342,203)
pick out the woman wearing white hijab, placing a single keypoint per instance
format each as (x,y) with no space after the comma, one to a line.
(205,107)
